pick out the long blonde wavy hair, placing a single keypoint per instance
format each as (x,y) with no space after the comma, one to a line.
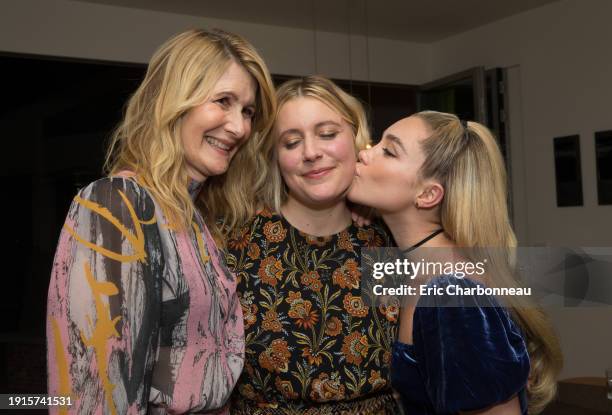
(274,191)
(474,214)
(180,76)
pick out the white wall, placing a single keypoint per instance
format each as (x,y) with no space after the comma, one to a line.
(87,30)
(560,72)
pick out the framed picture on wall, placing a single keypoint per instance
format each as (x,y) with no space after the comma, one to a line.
(603,157)
(568,172)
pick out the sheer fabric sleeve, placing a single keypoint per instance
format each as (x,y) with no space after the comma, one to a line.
(470,352)
(104,301)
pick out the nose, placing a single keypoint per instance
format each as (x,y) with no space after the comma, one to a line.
(311,150)
(363,156)
(235,124)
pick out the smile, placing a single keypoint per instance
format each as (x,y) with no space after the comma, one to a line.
(218,144)
(316,174)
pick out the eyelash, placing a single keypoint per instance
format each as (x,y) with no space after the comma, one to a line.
(387,153)
(329,135)
(224,101)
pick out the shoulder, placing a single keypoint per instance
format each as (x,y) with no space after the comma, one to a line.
(453,300)
(472,340)
(374,235)
(116,193)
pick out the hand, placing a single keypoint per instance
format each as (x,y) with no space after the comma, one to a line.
(362,215)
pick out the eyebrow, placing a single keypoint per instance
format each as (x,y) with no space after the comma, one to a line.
(395,139)
(324,123)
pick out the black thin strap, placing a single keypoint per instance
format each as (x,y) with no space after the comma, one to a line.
(421,242)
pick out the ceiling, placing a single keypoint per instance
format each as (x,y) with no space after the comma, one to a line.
(411,20)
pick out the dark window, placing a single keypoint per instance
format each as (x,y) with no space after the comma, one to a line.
(603,153)
(568,171)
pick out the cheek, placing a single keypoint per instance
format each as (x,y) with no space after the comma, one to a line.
(288,162)
(343,151)
(248,127)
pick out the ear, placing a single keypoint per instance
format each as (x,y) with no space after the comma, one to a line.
(431,195)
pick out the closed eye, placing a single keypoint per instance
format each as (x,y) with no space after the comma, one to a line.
(329,135)
(387,153)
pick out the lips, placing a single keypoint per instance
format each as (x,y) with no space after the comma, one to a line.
(223,146)
(317,173)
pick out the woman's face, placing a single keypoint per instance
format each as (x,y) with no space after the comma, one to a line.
(386,176)
(316,152)
(212,132)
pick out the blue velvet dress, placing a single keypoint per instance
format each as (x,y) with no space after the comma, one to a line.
(465,356)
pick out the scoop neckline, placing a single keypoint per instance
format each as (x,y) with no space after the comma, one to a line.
(308,235)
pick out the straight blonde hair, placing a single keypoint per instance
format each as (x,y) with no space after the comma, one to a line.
(180,76)
(467,161)
(274,191)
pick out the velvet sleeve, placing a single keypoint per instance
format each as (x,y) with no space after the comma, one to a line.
(104,300)
(470,352)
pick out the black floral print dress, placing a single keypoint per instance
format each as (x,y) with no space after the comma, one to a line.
(312,344)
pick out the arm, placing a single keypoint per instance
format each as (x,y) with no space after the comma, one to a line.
(104,300)
(472,354)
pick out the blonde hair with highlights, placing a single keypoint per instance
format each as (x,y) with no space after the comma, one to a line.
(474,214)
(180,76)
(274,192)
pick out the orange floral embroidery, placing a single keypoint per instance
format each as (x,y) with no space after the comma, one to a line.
(311,280)
(274,231)
(239,239)
(303,314)
(314,359)
(253,251)
(270,271)
(315,240)
(344,241)
(390,311)
(326,388)
(271,322)
(376,380)
(348,275)
(293,296)
(249,314)
(333,326)
(354,305)
(266,212)
(371,238)
(276,357)
(285,388)
(386,358)
(355,347)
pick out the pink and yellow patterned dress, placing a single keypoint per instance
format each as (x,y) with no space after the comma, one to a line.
(141,318)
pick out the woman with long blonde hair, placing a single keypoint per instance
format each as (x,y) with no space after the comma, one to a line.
(142,312)
(312,344)
(440,183)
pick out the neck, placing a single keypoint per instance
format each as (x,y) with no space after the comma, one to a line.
(194,186)
(411,227)
(317,220)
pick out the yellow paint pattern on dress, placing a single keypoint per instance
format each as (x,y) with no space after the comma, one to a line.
(62,365)
(201,245)
(103,330)
(137,241)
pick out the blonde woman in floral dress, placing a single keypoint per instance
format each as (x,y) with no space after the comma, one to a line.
(312,344)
